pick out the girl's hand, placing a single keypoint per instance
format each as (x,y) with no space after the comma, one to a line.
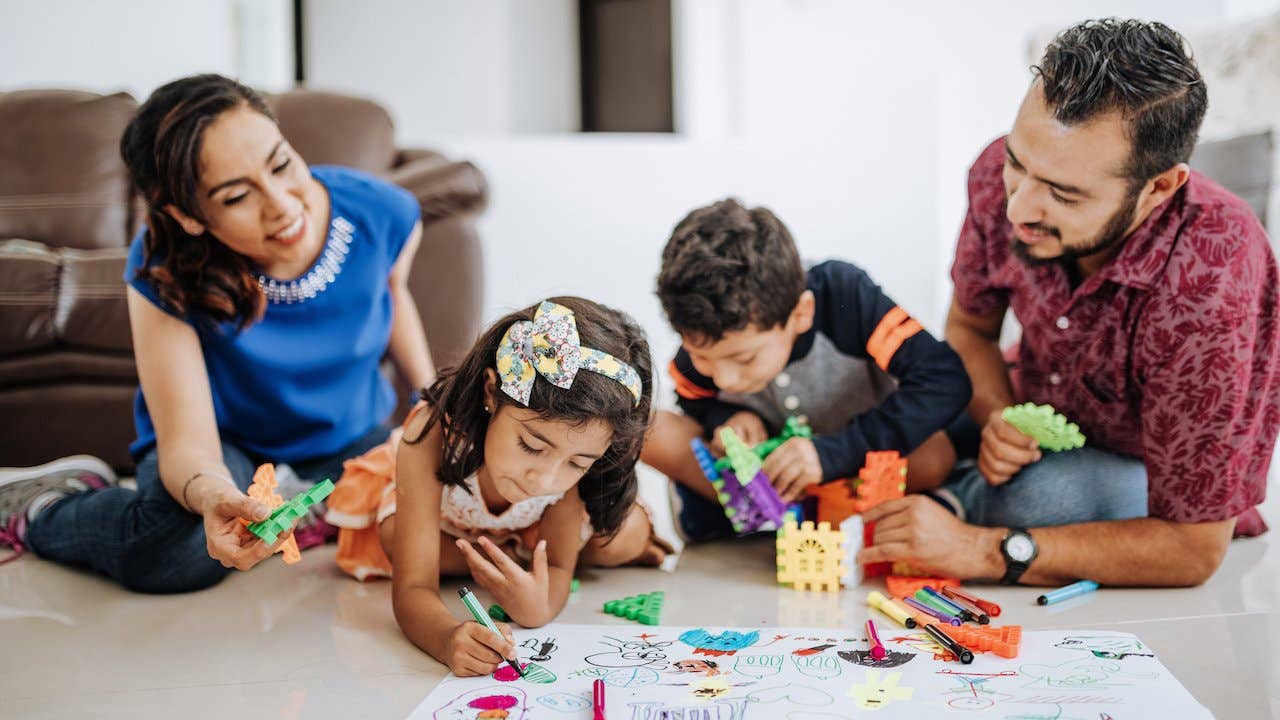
(523,594)
(473,649)
(226,538)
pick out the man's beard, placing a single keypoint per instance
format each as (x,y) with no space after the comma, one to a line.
(1113,233)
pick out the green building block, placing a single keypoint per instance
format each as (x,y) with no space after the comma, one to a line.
(497,613)
(745,464)
(646,609)
(283,517)
(795,426)
(573,586)
(1048,427)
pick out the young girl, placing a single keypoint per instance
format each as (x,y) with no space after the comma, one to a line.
(527,450)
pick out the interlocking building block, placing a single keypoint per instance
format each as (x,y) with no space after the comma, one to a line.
(810,558)
(1048,427)
(263,490)
(646,609)
(744,463)
(900,586)
(750,506)
(283,517)
(795,426)
(1004,641)
(837,500)
(883,477)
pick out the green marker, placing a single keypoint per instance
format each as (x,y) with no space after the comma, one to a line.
(469,599)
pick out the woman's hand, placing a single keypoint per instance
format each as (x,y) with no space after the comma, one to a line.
(226,538)
(473,649)
(523,594)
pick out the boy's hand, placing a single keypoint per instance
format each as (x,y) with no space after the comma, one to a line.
(1004,450)
(473,649)
(747,425)
(522,593)
(793,467)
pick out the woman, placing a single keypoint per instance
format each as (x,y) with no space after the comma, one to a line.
(262,296)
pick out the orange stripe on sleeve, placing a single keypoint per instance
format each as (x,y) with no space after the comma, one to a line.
(685,387)
(894,329)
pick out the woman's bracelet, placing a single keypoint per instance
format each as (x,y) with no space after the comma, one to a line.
(187,485)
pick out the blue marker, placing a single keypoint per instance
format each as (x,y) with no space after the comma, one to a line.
(1070,591)
(947,603)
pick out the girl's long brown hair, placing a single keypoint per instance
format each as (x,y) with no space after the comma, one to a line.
(194,275)
(457,401)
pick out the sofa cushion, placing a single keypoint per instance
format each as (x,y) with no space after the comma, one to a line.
(330,129)
(62,298)
(64,183)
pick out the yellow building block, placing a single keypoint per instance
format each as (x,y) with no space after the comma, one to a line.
(810,558)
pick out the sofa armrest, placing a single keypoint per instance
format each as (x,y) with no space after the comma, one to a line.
(444,188)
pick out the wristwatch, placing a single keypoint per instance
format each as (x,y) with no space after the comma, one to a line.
(1018,549)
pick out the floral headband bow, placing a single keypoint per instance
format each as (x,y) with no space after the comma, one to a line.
(549,345)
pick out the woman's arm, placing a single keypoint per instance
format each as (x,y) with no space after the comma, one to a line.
(175,383)
(408,347)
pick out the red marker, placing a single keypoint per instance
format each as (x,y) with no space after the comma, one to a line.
(877,647)
(988,607)
(597,699)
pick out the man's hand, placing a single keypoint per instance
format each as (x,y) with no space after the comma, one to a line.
(748,426)
(793,467)
(918,530)
(1004,450)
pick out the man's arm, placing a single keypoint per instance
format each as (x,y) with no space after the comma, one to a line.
(1139,552)
(976,338)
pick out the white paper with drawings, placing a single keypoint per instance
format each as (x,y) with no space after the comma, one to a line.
(678,673)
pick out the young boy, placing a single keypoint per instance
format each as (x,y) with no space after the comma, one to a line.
(762,340)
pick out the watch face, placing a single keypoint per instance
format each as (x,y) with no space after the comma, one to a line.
(1019,547)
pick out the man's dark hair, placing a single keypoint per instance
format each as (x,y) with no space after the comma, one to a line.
(1144,71)
(727,267)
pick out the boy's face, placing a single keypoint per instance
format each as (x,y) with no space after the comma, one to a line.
(747,360)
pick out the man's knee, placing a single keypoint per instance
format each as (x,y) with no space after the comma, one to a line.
(1084,485)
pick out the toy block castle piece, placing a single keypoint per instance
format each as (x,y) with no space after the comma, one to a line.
(810,558)
(263,490)
(646,609)
(1047,426)
(795,426)
(1004,641)
(283,517)
(750,506)
(883,477)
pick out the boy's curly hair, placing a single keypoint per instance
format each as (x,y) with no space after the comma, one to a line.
(726,267)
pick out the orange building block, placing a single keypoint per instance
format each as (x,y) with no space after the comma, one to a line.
(263,490)
(1003,641)
(900,587)
(836,501)
(884,477)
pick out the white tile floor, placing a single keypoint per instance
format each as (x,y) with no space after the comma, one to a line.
(306,642)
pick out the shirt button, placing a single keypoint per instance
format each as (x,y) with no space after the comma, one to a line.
(1055,379)
(1063,323)
(791,403)
(782,380)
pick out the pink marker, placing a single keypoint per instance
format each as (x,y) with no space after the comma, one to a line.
(877,647)
(597,700)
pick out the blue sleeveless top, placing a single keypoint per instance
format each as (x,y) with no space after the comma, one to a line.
(303,381)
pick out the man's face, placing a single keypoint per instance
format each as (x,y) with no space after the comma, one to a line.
(1068,196)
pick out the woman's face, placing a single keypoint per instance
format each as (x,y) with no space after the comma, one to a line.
(257,195)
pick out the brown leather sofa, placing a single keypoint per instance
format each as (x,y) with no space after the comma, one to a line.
(67,214)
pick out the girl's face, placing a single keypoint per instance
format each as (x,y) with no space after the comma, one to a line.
(257,195)
(526,456)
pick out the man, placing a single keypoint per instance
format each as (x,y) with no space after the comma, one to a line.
(1147,296)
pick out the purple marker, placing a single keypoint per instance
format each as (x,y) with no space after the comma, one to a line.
(932,612)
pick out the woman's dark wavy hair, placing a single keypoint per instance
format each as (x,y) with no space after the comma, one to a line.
(1142,70)
(457,401)
(161,146)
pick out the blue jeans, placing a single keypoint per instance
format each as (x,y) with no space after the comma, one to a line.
(1063,488)
(143,539)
